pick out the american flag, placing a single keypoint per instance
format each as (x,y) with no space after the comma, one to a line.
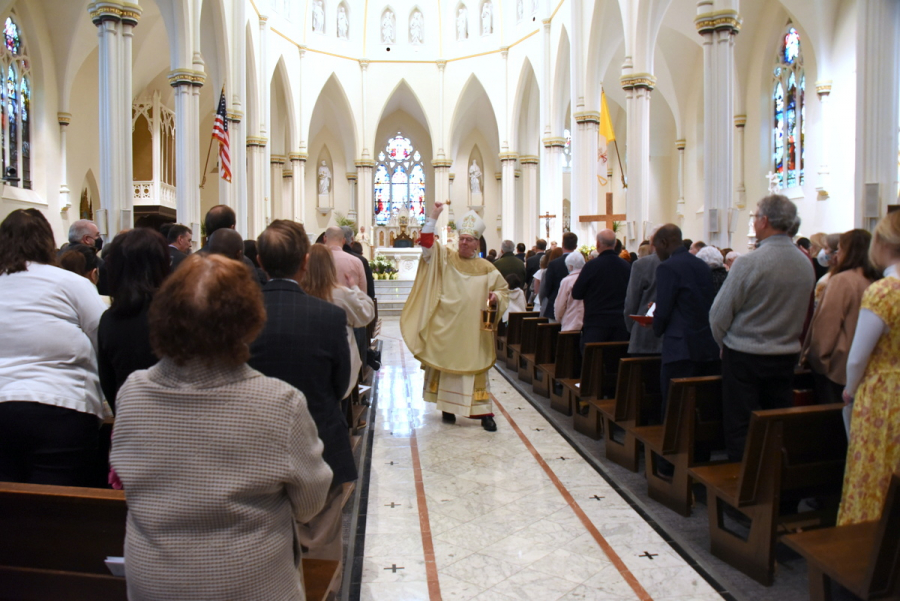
(220,133)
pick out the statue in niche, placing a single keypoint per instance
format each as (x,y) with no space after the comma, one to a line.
(474,175)
(324,178)
(387,28)
(462,24)
(533,6)
(486,17)
(520,9)
(343,24)
(394,221)
(318,20)
(416,28)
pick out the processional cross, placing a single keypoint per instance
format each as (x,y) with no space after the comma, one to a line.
(548,217)
(609,218)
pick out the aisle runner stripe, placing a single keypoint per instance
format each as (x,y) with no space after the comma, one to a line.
(585,520)
(434,587)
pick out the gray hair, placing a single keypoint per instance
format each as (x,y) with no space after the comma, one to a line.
(348,233)
(507,246)
(606,239)
(79,230)
(781,212)
(732,255)
(710,255)
(574,261)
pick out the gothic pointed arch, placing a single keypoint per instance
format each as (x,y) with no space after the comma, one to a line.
(332,111)
(404,98)
(526,113)
(474,111)
(561,89)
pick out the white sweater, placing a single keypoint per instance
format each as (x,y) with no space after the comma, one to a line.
(48,342)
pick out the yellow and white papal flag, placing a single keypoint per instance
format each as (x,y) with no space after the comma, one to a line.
(604,137)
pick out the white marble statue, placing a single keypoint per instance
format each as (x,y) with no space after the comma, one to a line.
(520,10)
(387,27)
(416,28)
(474,175)
(462,24)
(343,24)
(324,178)
(774,182)
(318,20)
(486,18)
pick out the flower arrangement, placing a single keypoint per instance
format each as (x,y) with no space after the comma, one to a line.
(341,221)
(383,269)
(451,225)
(586,251)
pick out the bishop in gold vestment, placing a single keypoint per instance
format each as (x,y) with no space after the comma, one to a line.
(441,321)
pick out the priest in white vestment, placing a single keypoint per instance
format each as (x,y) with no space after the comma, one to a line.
(441,321)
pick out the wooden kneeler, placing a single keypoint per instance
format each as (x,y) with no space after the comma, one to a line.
(567,365)
(514,338)
(544,357)
(528,347)
(586,418)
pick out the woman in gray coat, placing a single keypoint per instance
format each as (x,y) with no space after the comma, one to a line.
(217,460)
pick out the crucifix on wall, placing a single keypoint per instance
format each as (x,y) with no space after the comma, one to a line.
(548,217)
(609,218)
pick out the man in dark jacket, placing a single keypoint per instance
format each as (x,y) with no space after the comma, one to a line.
(520,252)
(533,264)
(508,263)
(556,271)
(602,285)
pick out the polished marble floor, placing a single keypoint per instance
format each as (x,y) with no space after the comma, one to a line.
(458,513)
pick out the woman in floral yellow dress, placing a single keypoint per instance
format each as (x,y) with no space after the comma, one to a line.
(873,383)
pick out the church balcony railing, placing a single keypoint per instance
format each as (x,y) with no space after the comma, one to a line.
(153,193)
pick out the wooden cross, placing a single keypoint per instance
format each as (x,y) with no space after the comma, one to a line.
(548,217)
(609,218)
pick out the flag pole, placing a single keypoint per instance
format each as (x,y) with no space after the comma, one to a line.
(209,151)
(621,171)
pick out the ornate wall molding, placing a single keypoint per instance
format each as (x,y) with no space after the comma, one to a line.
(717,21)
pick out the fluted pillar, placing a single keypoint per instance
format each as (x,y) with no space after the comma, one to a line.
(551,199)
(64,201)
(529,203)
(679,210)
(585,187)
(277,206)
(718,29)
(442,193)
(637,88)
(256,177)
(511,215)
(187,83)
(823,90)
(365,171)
(298,181)
(352,214)
(235,193)
(740,199)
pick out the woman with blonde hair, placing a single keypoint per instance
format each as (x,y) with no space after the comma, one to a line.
(320,280)
(873,385)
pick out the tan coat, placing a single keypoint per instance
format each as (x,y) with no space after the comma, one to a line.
(217,463)
(833,325)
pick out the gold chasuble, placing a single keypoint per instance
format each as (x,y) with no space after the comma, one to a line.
(441,325)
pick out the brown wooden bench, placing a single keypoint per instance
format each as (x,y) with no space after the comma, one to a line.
(514,338)
(567,365)
(500,339)
(636,403)
(583,385)
(544,357)
(528,347)
(693,416)
(790,454)
(54,540)
(586,418)
(863,558)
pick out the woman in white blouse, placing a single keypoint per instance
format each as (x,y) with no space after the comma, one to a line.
(50,399)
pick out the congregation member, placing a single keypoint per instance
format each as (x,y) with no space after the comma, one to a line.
(520,251)
(50,398)
(730,258)
(81,260)
(834,321)
(218,461)
(304,343)
(817,242)
(350,271)
(491,256)
(508,263)
(533,263)
(873,385)
(223,217)
(640,295)
(757,319)
(85,231)
(602,285)
(348,248)
(826,259)
(695,247)
(229,243)
(442,320)
(684,295)
(570,312)
(321,281)
(713,258)
(138,262)
(517,302)
(179,238)
(541,287)
(556,271)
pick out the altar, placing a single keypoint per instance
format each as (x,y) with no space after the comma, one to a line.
(405,260)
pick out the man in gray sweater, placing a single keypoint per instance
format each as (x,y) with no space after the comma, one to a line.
(757,319)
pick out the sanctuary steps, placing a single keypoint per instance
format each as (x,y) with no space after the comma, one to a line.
(392,295)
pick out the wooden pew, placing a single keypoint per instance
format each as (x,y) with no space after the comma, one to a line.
(544,357)
(583,385)
(790,454)
(860,557)
(55,540)
(528,347)
(586,417)
(567,365)
(693,415)
(500,339)
(514,338)
(636,403)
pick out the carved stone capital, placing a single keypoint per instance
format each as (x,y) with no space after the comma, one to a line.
(587,117)
(365,164)
(638,80)
(721,20)
(529,159)
(508,156)
(298,156)
(64,118)
(277,159)
(823,88)
(550,142)
(235,116)
(114,11)
(181,77)
(442,163)
(257,141)
(680,144)
(740,120)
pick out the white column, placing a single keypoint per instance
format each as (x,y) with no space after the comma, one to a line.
(551,199)
(353,212)
(718,29)
(679,210)
(298,208)
(278,208)
(266,189)
(365,171)
(126,101)
(256,177)
(546,90)
(237,128)
(637,88)
(64,201)
(530,164)
(442,193)
(511,216)
(441,65)
(823,89)
(585,187)
(740,199)
(877,82)
(187,83)
(364,76)
(107,20)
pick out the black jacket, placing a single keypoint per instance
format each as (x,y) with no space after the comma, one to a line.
(556,272)
(602,285)
(370,281)
(304,343)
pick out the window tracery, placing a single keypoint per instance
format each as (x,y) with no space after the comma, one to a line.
(789,111)
(15,103)
(399,182)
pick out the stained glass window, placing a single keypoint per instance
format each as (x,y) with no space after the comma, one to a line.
(15,104)
(399,182)
(789,111)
